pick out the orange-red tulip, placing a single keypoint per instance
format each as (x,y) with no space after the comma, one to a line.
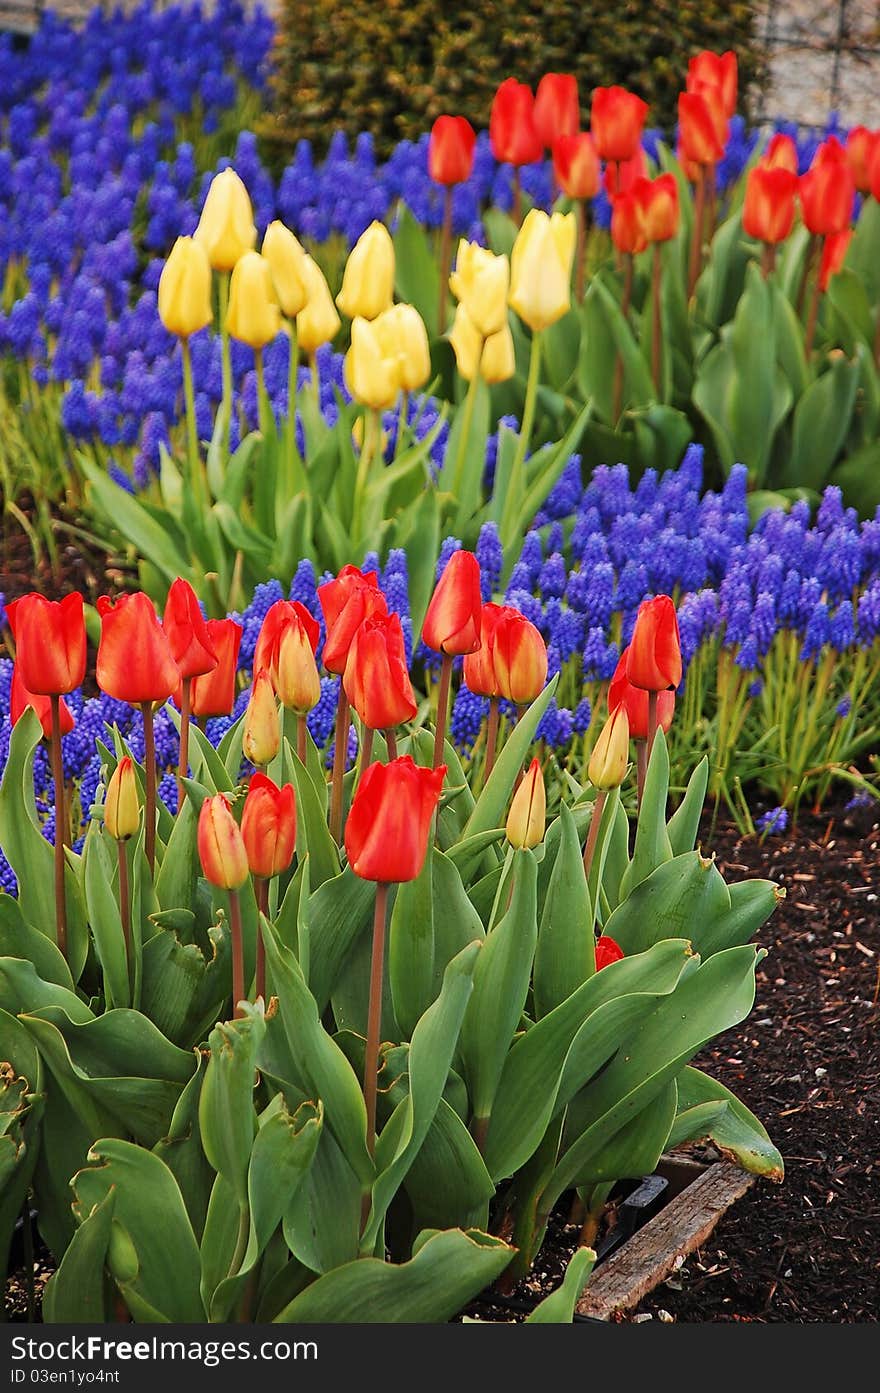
(607,951)
(187,631)
(135,662)
(576,165)
(20,699)
(519,656)
(479,667)
(660,206)
(278,616)
(451,150)
(634,700)
(346,602)
(221,846)
(620,177)
(699,135)
(286,646)
(654,658)
(50,642)
(718,70)
(769,206)
(860,147)
(834,251)
(213,694)
(827,191)
(376,679)
(452,623)
(386,835)
(874,172)
(512,132)
(781,153)
(557,111)
(617,120)
(628,223)
(268,826)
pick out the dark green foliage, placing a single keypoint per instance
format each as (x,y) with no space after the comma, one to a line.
(392,68)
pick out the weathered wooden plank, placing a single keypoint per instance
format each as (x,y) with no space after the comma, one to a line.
(650,1255)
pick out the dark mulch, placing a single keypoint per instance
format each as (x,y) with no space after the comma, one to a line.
(81,564)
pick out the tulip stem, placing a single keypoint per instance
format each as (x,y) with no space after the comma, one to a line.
(653,710)
(291,453)
(225,356)
(491,737)
(467,418)
(150,775)
(60,827)
(808,266)
(369,449)
(340,753)
(238,992)
(593,833)
(657,317)
(697,238)
(516,211)
(531,402)
(124,902)
(877,341)
(183,761)
(391,744)
(261,889)
(366,748)
(316,377)
(302,731)
(768,260)
(402,422)
(442,708)
(812,314)
(641,767)
(625,302)
(374,1018)
(197,481)
(583,229)
(445,258)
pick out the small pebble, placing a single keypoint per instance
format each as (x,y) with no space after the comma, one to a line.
(666,1317)
(643,1316)
(820,1073)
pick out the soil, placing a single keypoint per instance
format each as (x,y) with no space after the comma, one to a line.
(81,564)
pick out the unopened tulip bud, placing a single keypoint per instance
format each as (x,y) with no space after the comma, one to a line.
(226,228)
(261,740)
(268,826)
(253,316)
(221,846)
(540,268)
(295,671)
(368,278)
(185,289)
(611,751)
(121,804)
(654,654)
(318,323)
(528,810)
(286,258)
(608,951)
(520,657)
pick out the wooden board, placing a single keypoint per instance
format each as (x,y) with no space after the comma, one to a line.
(650,1255)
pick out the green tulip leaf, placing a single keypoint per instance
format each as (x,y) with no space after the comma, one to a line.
(565,955)
(733,1128)
(558,1308)
(76,1293)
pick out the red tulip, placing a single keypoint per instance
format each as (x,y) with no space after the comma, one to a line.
(860,147)
(718,70)
(617,121)
(221,847)
(699,135)
(557,111)
(451,150)
(213,694)
(268,826)
(660,208)
(831,151)
(135,662)
(769,207)
(452,623)
(781,153)
(520,657)
(634,700)
(827,192)
(621,177)
(479,667)
(607,951)
(874,171)
(276,620)
(187,631)
(834,251)
(20,699)
(386,835)
(376,678)
(628,227)
(576,165)
(50,638)
(512,132)
(346,602)
(654,659)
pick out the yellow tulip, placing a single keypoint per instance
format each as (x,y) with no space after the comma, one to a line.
(285,257)
(540,268)
(226,228)
(318,323)
(253,316)
(121,807)
(480,283)
(261,740)
(497,363)
(403,335)
(528,810)
(368,278)
(371,374)
(611,751)
(185,289)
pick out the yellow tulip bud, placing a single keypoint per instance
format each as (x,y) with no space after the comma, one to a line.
(121,806)
(480,282)
(540,268)
(226,228)
(528,810)
(368,279)
(185,289)
(253,316)
(403,335)
(370,376)
(611,751)
(285,257)
(493,357)
(318,323)
(261,739)
(295,672)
